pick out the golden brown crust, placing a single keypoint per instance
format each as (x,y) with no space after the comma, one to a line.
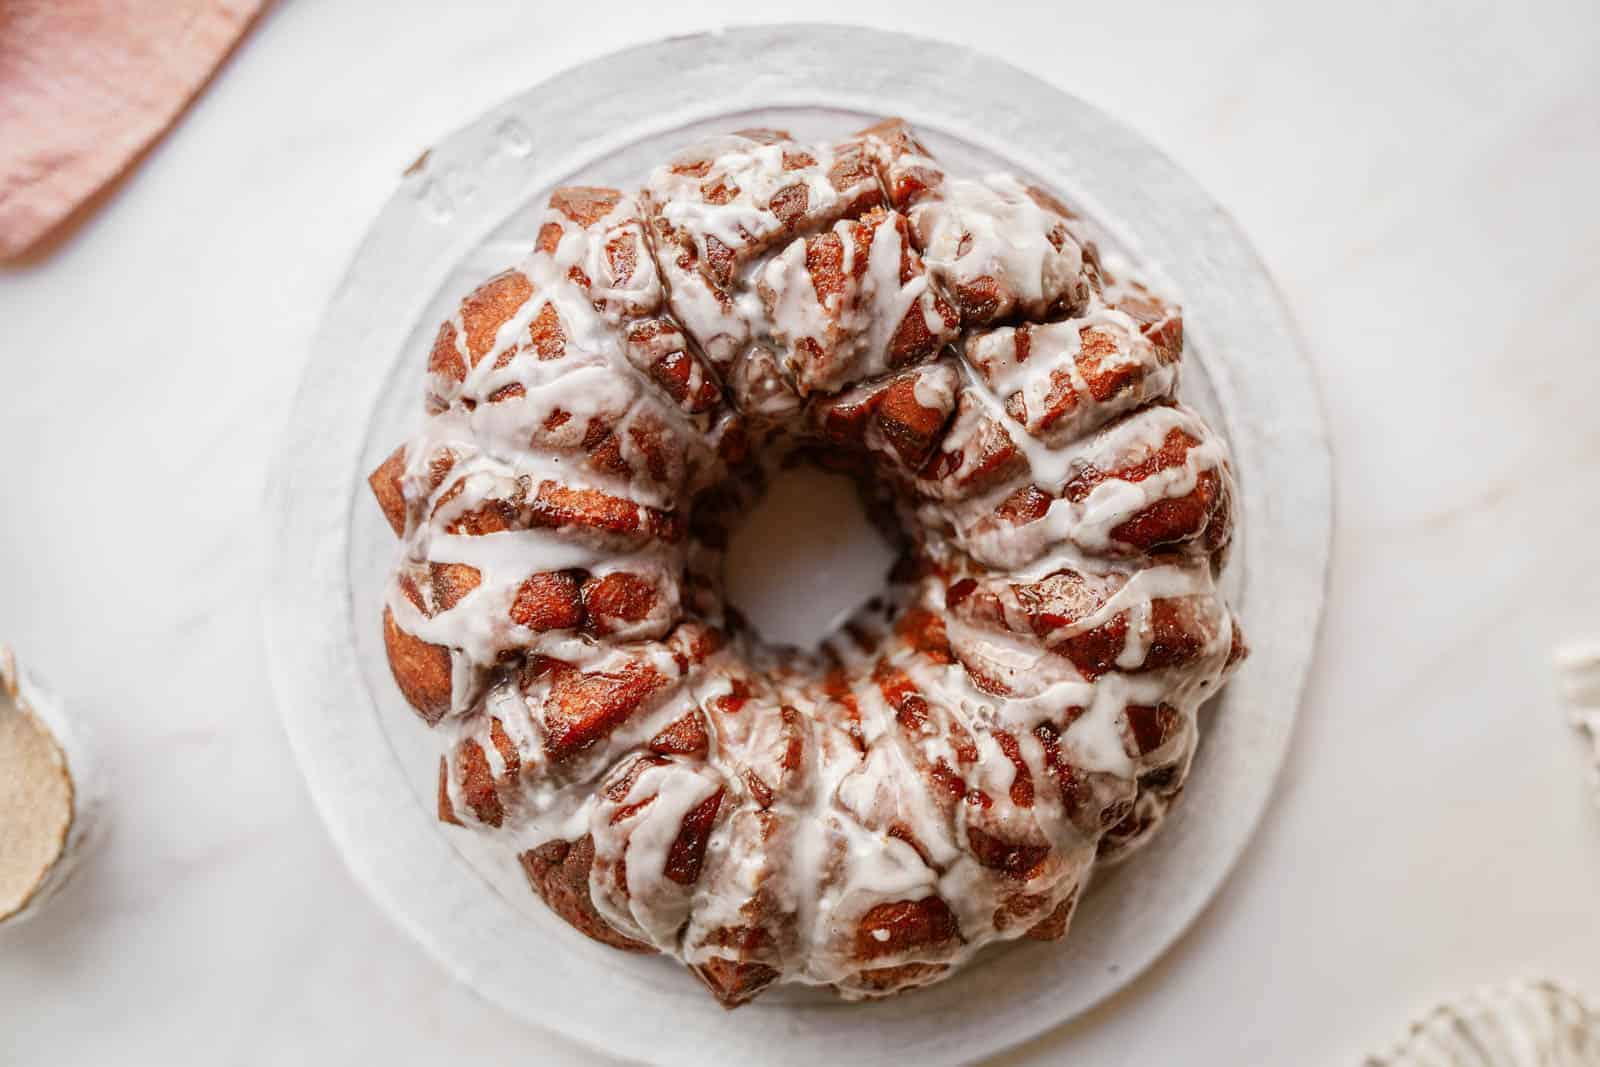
(585,204)
(902,161)
(447,811)
(489,307)
(385,483)
(735,983)
(902,926)
(478,786)
(421,670)
(759,294)
(1053,927)
(559,872)
(582,708)
(617,599)
(879,981)
(891,412)
(683,737)
(549,600)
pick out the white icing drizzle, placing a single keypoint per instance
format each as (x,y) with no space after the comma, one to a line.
(1056,349)
(853,325)
(974,787)
(643,827)
(756,173)
(993,229)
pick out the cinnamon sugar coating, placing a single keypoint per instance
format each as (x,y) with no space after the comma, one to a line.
(945,771)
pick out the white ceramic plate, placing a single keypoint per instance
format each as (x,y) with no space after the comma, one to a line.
(463,212)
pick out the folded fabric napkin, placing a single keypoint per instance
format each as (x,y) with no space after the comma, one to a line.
(1522,1024)
(85,86)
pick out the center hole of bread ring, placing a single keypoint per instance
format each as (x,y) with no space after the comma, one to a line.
(806,558)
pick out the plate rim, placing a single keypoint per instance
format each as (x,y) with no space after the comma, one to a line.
(313,520)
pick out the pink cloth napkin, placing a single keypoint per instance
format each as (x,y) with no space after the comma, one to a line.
(85,86)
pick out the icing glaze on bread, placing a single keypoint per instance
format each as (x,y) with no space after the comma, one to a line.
(946,770)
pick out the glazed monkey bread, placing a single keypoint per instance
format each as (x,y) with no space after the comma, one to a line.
(942,773)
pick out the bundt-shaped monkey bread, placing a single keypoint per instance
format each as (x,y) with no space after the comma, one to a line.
(945,771)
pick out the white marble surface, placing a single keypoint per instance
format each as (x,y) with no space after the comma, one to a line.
(1423,185)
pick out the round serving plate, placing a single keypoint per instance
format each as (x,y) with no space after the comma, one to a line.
(464,211)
